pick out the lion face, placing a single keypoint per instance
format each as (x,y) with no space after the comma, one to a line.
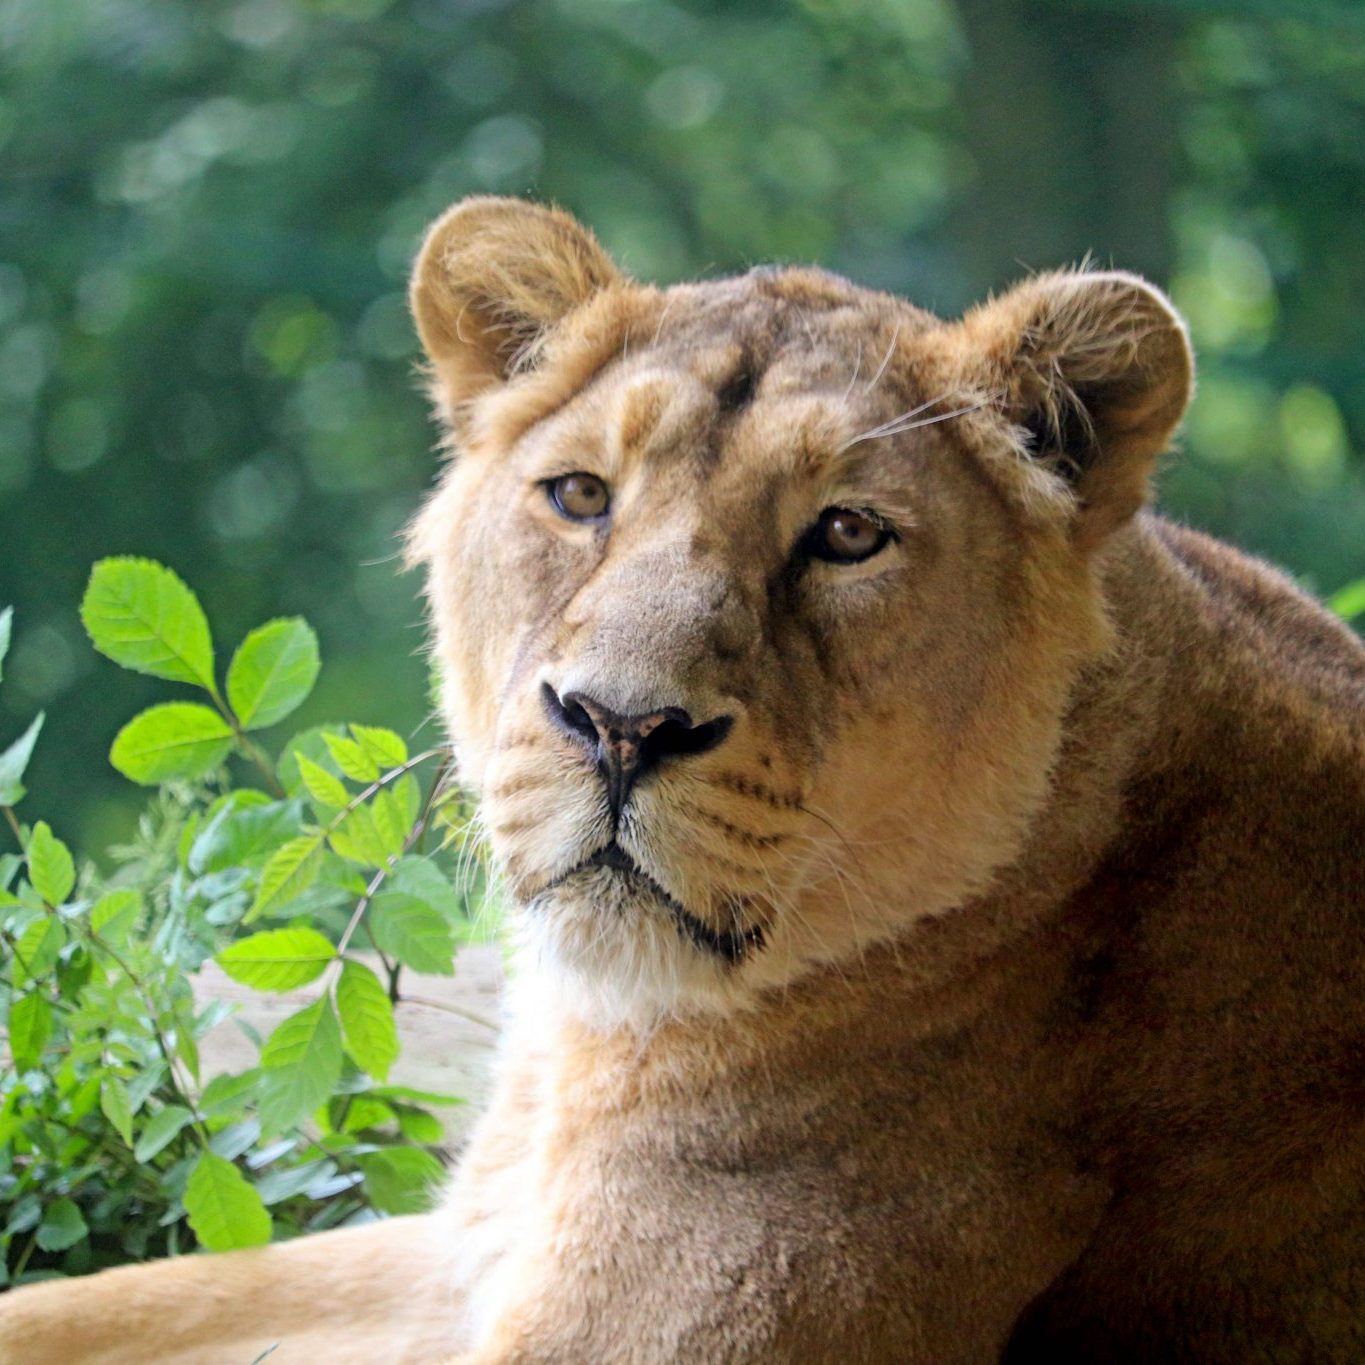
(757,612)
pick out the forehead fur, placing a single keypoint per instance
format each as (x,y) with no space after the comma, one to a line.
(773,331)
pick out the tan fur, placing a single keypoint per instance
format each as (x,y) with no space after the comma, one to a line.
(1041,828)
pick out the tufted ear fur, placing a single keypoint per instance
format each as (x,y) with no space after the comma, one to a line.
(1096,369)
(492,277)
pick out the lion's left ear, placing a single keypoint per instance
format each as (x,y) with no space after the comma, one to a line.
(1096,368)
(493,277)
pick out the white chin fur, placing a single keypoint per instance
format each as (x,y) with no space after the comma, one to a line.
(613,956)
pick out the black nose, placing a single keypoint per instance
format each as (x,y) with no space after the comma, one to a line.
(627,747)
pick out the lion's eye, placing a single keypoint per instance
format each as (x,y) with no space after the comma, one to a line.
(844,536)
(580,497)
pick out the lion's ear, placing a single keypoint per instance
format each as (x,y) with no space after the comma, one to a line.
(1096,368)
(493,276)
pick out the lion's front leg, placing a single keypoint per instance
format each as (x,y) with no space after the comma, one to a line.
(357,1296)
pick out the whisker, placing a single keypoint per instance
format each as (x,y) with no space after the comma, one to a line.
(893,430)
(664,314)
(901,417)
(853,378)
(886,359)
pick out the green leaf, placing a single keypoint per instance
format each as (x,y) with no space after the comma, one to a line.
(292,869)
(174,739)
(368,835)
(383,746)
(30,1026)
(412,1096)
(413,932)
(62,1226)
(422,878)
(116,914)
(277,959)
(14,761)
(38,946)
(302,1064)
(401,1179)
(117,1107)
(310,743)
(393,816)
(351,758)
(50,868)
(322,786)
(367,1020)
(224,1211)
(1349,602)
(6,626)
(243,832)
(228,1093)
(141,615)
(418,1126)
(273,670)
(160,1130)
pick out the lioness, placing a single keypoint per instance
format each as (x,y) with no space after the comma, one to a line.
(938,880)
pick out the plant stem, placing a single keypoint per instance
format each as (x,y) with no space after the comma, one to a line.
(13,821)
(430,1004)
(22,1263)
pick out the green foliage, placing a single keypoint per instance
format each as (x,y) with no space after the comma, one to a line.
(114,1143)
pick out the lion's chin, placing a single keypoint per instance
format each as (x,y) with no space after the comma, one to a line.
(621,950)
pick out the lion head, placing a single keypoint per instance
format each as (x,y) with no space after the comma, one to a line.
(759,602)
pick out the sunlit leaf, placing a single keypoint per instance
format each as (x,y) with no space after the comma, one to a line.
(277,959)
(417,935)
(367,1019)
(353,760)
(30,1026)
(385,747)
(174,739)
(50,866)
(38,947)
(141,615)
(272,672)
(302,1064)
(325,788)
(292,869)
(224,1211)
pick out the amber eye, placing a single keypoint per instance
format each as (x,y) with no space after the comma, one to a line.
(844,536)
(580,497)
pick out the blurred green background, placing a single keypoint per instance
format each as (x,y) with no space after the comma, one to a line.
(207,210)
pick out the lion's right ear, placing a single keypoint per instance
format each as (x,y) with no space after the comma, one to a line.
(492,278)
(1095,369)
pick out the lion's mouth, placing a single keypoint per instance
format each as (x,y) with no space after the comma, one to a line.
(730,945)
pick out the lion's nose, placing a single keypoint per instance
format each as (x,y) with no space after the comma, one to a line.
(627,747)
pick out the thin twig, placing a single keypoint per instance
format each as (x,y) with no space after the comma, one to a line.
(431,1004)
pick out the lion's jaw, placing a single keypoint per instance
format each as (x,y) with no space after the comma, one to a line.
(890,726)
